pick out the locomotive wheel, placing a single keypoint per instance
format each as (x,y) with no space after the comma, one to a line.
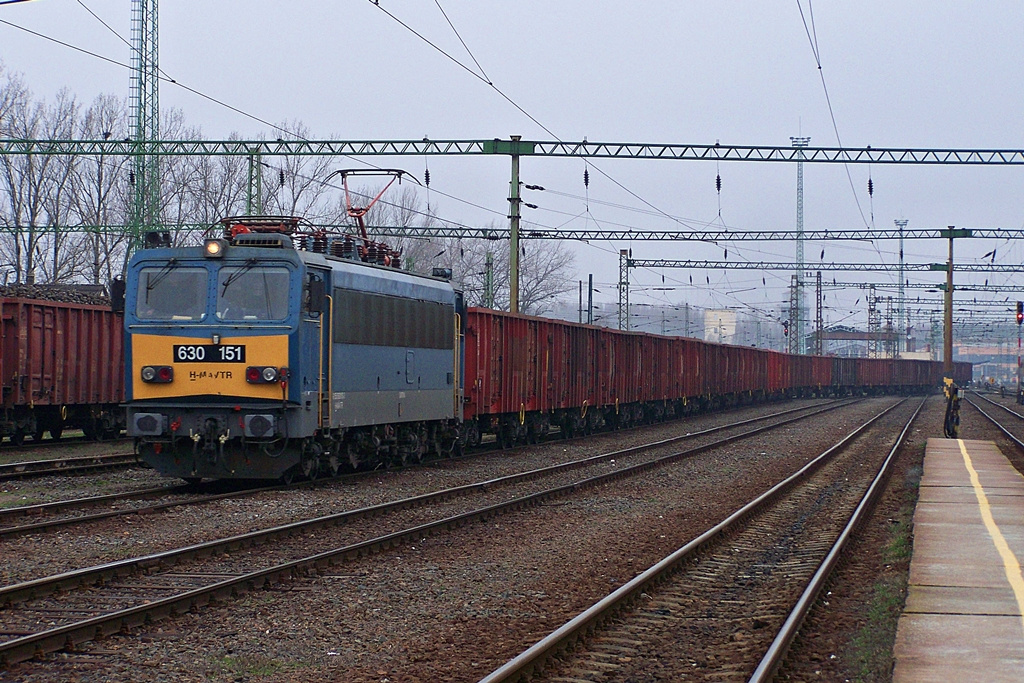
(333,465)
(310,468)
(353,455)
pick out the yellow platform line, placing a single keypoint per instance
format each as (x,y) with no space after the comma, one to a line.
(1010,563)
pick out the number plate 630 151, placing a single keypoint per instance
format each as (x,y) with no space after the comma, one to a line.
(209,353)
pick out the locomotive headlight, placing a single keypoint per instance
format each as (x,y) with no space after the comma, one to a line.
(160,374)
(214,248)
(258,374)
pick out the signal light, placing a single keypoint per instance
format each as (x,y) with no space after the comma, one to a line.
(1020,312)
(785,328)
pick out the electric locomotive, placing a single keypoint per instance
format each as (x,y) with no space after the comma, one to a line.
(270,352)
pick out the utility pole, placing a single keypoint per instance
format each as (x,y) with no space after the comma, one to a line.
(624,256)
(513,216)
(798,321)
(1020,319)
(590,299)
(145,119)
(489,281)
(874,324)
(819,327)
(580,310)
(254,196)
(794,315)
(947,332)
(901,305)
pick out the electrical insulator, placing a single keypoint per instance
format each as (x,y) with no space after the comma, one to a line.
(718,183)
(426,177)
(280,178)
(586,177)
(131,177)
(871,188)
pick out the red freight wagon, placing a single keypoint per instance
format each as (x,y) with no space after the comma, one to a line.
(821,372)
(525,374)
(778,372)
(61,366)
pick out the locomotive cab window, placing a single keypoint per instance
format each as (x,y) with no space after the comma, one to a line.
(171,292)
(252,293)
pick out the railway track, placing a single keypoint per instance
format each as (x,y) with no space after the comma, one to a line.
(731,601)
(70,465)
(45,516)
(1001,427)
(179,495)
(35,620)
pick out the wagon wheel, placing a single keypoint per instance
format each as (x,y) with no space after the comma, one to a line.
(55,433)
(288,477)
(38,434)
(18,437)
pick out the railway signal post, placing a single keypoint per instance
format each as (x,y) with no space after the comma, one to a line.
(1020,319)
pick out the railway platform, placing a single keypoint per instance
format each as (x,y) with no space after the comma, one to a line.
(964,617)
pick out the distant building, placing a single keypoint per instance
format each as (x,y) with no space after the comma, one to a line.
(719,325)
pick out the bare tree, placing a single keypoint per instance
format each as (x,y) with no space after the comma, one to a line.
(63,244)
(545,272)
(35,185)
(303,187)
(99,190)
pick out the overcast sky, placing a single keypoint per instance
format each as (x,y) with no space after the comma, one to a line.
(908,74)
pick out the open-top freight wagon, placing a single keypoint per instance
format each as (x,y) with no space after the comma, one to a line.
(525,374)
(61,364)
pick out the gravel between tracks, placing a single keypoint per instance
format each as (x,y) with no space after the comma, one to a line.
(450,608)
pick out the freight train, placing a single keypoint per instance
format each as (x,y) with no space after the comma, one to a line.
(274,351)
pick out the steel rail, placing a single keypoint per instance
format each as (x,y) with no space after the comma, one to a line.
(35,588)
(780,645)
(47,525)
(1016,442)
(524,665)
(79,503)
(76,465)
(67,636)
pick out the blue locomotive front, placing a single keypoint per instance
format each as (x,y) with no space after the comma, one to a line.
(251,358)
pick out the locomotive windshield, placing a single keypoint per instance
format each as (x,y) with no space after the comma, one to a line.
(171,292)
(252,292)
